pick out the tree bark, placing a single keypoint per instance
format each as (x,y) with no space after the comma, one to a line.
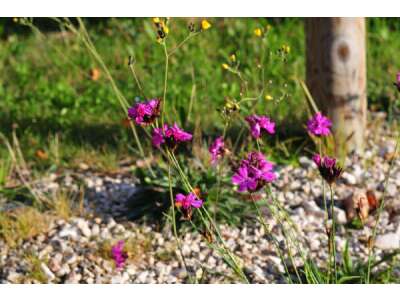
(336,76)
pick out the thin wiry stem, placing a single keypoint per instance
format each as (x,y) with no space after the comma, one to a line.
(381,206)
(133,71)
(164,100)
(275,242)
(191,35)
(333,233)
(178,241)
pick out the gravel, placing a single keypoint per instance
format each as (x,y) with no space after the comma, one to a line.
(75,250)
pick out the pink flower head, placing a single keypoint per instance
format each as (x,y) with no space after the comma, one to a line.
(217,149)
(317,159)
(319,125)
(253,173)
(245,182)
(145,113)
(397,83)
(259,124)
(118,254)
(328,168)
(169,135)
(186,203)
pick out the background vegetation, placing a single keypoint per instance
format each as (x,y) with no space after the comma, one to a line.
(50,85)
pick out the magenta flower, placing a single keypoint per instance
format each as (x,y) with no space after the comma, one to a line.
(145,113)
(169,135)
(253,173)
(118,254)
(244,180)
(217,149)
(328,168)
(259,124)
(319,125)
(397,83)
(186,203)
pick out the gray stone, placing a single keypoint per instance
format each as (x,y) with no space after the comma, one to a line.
(71,233)
(49,274)
(391,189)
(95,230)
(73,278)
(70,258)
(14,277)
(84,227)
(349,178)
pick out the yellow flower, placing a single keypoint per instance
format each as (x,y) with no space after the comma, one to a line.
(285,48)
(225,66)
(268,27)
(268,97)
(15,19)
(232,57)
(156,20)
(166,29)
(258,32)
(205,24)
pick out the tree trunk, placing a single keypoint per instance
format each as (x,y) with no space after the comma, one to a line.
(336,76)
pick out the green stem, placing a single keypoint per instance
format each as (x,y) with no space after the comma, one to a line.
(178,241)
(219,169)
(333,233)
(165,82)
(276,243)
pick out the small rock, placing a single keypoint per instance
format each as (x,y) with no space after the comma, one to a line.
(186,250)
(315,245)
(340,216)
(117,279)
(49,274)
(14,277)
(349,178)
(58,245)
(95,230)
(84,227)
(131,270)
(69,233)
(305,162)
(70,258)
(142,276)
(64,270)
(73,278)
(388,241)
(111,223)
(391,189)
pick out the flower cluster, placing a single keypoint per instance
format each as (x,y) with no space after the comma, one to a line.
(319,125)
(259,124)
(118,254)
(162,28)
(328,168)
(170,136)
(145,113)
(217,150)
(253,173)
(186,203)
